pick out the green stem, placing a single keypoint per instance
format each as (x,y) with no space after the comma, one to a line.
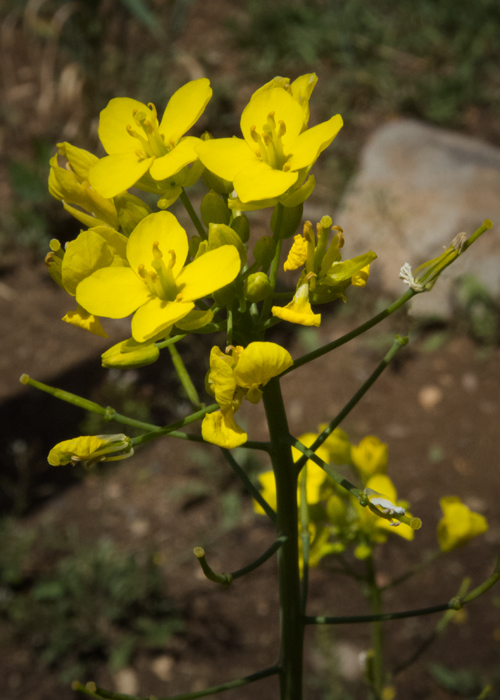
(310,356)
(170,341)
(96,692)
(397,344)
(273,274)
(375,598)
(227,579)
(383,617)
(332,473)
(291,619)
(183,374)
(305,537)
(254,491)
(427,561)
(192,215)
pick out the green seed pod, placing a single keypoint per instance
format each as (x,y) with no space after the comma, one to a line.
(129,354)
(256,287)
(214,210)
(220,234)
(264,251)
(131,210)
(242,227)
(290,222)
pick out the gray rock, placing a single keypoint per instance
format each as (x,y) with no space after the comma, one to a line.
(417,187)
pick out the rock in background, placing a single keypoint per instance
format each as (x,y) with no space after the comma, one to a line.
(417,187)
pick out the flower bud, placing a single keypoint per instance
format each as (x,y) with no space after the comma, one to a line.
(290,221)
(214,210)
(225,296)
(220,234)
(242,227)
(91,448)
(256,287)
(131,210)
(130,354)
(80,160)
(264,251)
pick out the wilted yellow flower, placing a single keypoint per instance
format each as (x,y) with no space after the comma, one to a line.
(459,524)
(299,310)
(90,449)
(235,376)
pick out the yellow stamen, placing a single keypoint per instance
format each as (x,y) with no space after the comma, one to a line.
(157,254)
(141,270)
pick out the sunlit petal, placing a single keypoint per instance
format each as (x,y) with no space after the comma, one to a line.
(156,315)
(226,157)
(285,109)
(114,292)
(185,108)
(260,181)
(209,272)
(113,122)
(170,164)
(307,147)
(116,173)
(163,228)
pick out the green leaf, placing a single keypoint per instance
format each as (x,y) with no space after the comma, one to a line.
(341,271)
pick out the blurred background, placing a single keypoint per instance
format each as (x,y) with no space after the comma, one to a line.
(97,579)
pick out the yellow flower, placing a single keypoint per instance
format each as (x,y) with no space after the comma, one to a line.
(137,142)
(299,309)
(459,524)
(275,155)
(235,376)
(157,286)
(92,250)
(338,445)
(370,457)
(90,449)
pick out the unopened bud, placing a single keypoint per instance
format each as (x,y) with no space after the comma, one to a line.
(264,251)
(130,354)
(214,210)
(131,211)
(242,227)
(256,287)
(220,234)
(290,220)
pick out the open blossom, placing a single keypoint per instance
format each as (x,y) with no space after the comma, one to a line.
(275,153)
(136,142)
(157,285)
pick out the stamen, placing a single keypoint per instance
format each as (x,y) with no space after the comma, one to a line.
(286,167)
(173,258)
(153,109)
(281,128)
(262,151)
(141,270)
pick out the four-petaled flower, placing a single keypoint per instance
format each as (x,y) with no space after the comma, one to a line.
(136,142)
(157,286)
(275,154)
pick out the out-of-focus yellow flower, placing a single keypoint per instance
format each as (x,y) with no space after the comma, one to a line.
(338,445)
(459,524)
(91,449)
(137,143)
(275,154)
(299,310)
(235,376)
(370,457)
(360,279)
(156,285)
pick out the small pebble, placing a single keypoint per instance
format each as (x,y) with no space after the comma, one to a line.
(162,667)
(430,396)
(126,681)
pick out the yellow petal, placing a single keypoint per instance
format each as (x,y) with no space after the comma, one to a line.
(180,156)
(301,91)
(185,108)
(156,315)
(163,228)
(299,309)
(82,319)
(83,256)
(382,484)
(113,122)
(194,320)
(221,378)
(116,241)
(370,457)
(222,430)
(116,173)
(114,292)
(208,273)
(307,147)
(285,109)
(259,362)
(259,181)
(297,255)
(226,157)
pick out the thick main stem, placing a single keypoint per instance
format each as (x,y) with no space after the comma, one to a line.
(292,622)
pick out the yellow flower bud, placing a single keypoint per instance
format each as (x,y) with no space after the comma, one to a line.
(130,354)
(90,449)
(256,287)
